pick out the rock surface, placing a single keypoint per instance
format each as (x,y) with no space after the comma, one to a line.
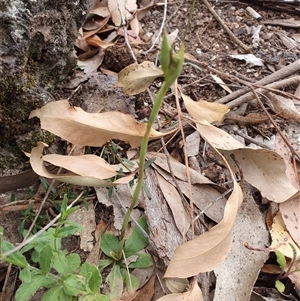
(36,47)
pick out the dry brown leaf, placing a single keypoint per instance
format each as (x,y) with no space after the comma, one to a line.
(193,294)
(125,6)
(89,172)
(147,291)
(284,107)
(97,42)
(101,10)
(96,22)
(203,194)
(132,37)
(219,81)
(178,169)
(91,64)
(209,250)
(136,78)
(181,217)
(281,237)
(241,263)
(203,110)
(83,165)
(262,168)
(290,210)
(135,25)
(85,217)
(93,129)
(193,144)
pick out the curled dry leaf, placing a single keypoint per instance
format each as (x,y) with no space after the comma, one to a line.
(284,107)
(97,42)
(203,110)
(86,170)
(290,210)
(210,249)
(241,263)
(193,294)
(136,78)
(262,168)
(93,129)
(181,217)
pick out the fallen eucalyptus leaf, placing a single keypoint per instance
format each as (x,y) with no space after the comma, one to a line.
(136,78)
(93,129)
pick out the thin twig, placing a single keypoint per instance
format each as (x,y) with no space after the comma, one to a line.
(33,237)
(274,123)
(212,203)
(131,217)
(186,160)
(125,31)
(161,27)
(226,28)
(280,74)
(164,147)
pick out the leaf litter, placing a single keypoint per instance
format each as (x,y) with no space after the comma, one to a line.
(257,167)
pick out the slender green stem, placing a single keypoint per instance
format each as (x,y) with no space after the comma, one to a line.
(172,65)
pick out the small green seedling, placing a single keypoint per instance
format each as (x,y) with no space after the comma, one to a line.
(59,273)
(131,257)
(286,270)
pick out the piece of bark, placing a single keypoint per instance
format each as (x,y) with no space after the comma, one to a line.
(164,235)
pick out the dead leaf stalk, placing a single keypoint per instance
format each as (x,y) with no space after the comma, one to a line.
(223,195)
(226,28)
(186,160)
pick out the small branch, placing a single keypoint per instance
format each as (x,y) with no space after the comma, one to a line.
(281,73)
(160,29)
(125,31)
(226,28)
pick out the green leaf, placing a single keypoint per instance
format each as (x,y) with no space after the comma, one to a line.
(66,231)
(46,256)
(165,54)
(25,275)
(131,282)
(63,208)
(92,276)
(115,282)
(59,262)
(73,286)
(16,258)
(280,259)
(109,243)
(27,290)
(149,162)
(73,262)
(143,261)
(52,294)
(105,263)
(94,297)
(137,241)
(64,297)
(280,286)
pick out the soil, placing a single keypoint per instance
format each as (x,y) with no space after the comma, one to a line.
(207,42)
